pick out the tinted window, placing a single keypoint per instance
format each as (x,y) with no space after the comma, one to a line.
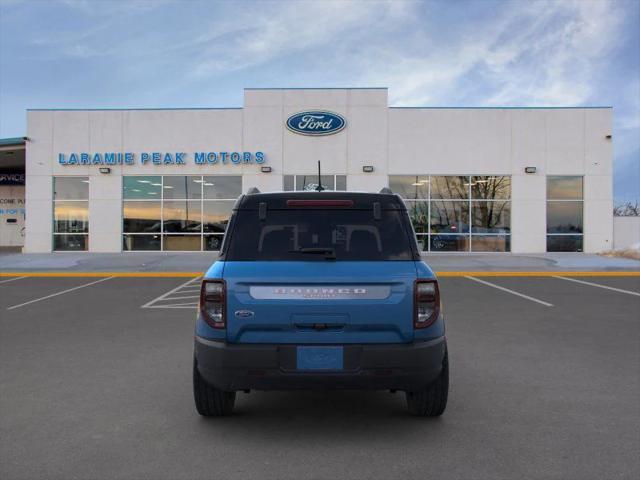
(71,188)
(410,186)
(561,188)
(564,217)
(142,187)
(182,187)
(349,234)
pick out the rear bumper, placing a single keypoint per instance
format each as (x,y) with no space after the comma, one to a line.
(233,367)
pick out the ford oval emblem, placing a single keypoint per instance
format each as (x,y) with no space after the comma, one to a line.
(316,122)
(244,314)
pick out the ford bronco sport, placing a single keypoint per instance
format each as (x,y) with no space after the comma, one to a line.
(320,290)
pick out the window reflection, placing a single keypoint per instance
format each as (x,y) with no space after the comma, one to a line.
(449,243)
(423,242)
(140,242)
(182,187)
(564,243)
(181,243)
(70,242)
(419,215)
(491,217)
(449,217)
(71,188)
(490,243)
(179,209)
(410,186)
(564,217)
(490,187)
(142,187)
(310,182)
(212,242)
(564,188)
(140,217)
(450,187)
(216,216)
(225,187)
(71,217)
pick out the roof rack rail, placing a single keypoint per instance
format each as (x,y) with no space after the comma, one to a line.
(253,190)
(386,190)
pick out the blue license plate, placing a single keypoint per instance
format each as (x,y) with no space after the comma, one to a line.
(319,358)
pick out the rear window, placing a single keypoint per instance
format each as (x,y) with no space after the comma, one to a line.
(313,234)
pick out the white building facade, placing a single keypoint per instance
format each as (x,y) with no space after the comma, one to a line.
(521,180)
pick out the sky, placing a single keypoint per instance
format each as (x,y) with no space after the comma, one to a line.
(155,53)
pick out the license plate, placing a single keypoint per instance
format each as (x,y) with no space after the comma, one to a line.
(319,358)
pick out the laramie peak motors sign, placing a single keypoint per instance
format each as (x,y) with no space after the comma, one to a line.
(316,123)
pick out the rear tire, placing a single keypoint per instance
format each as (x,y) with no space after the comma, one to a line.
(432,401)
(211,402)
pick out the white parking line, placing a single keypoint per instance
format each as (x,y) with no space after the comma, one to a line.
(167,296)
(628,292)
(190,306)
(59,293)
(541,302)
(12,279)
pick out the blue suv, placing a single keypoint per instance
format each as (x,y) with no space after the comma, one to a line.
(320,290)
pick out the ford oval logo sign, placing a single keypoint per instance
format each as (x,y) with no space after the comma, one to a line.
(316,122)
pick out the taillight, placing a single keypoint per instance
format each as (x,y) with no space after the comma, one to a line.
(426,303)
(213,302)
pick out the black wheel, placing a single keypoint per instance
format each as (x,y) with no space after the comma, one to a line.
(211,402)
(432,401)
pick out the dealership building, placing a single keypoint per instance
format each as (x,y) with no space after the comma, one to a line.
(505,179)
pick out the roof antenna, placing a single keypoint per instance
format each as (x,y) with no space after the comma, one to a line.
(320,187)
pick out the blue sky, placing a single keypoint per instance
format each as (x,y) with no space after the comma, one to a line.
(91,53)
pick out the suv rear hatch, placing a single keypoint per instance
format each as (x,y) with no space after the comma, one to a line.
(311,271)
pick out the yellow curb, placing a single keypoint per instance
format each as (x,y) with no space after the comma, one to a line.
(197,274)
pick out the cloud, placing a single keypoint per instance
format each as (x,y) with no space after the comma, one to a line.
(264,35)
(537,53)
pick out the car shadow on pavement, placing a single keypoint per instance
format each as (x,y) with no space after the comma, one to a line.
(321,415)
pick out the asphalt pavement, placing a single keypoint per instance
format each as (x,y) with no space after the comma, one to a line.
(545,382)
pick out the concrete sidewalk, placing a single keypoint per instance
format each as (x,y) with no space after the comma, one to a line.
(200,261)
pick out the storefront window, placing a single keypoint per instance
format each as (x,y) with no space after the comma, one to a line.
(177,213)
(310,182)
(142,188)
(410,186)
(187,187)
(564,188)
(216,216)
(450,187)
(141,242)
(449,243)
(222,188)
(141,217)
(490,187)
(449,217)
(564,214)
(455,213)
(183,216)
(70,213)
(490,243)
(491,217)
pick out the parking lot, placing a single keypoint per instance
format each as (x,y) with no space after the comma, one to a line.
(95,381)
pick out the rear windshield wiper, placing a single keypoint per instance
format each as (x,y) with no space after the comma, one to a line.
(329,253)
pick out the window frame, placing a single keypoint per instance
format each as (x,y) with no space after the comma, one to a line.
(469,200)
(54,234)
(201,234)
(296,175)
(563,200)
